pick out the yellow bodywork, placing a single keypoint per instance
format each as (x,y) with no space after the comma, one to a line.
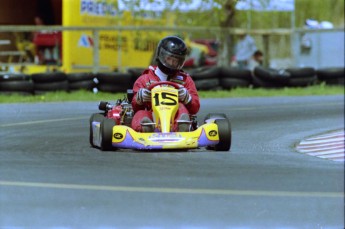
(126,137)
(164,106)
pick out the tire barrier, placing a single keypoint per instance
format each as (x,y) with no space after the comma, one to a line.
(290,77)
(301,77)
(81,81)
(270,78)
(135,72)
(205,78)
(16,83)
(114,82)
(49,82)
(333,76)
(234,77)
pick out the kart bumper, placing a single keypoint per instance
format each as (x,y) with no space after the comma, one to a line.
(126,137)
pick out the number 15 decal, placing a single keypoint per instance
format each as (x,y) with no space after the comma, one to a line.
(168,99)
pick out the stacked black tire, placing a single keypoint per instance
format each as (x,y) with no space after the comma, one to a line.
(49,82)
(212,78)
(231,77)
(331,76)
(114,82)
(81,81)
(297,77)
(206,78)
(16,83)
(301,77)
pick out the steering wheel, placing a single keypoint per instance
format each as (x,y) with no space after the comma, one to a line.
(175,85)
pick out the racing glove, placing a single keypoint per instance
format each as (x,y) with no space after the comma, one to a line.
(143,95)
(184,96)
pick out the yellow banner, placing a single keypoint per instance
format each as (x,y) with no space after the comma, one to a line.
(117,50)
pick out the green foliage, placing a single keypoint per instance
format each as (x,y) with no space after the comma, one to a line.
(321,10)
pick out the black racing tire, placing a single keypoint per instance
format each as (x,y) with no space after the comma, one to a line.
(224,131)
(229,83)
(301,72)
(324,74)
(76,77)
(135,72)
(112,88)
(207,72)
(117,78)
(237,73)
(17,86)
(258,83)
(302,81)
(270,77)
(48,77)
(207,84)
(106,134)
(13,77)
(336,81)
(21,93)
(51,86)
(98,117)
(81,85)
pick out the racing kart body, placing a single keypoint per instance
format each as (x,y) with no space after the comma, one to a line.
(112,130)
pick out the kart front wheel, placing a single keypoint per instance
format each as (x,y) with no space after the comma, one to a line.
(106,134)
(224,131)
(97,117)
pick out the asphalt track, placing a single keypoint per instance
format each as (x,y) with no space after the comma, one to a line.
(51,178)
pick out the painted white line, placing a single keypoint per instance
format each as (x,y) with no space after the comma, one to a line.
(42,121)
(338,151)
(320,147)
(174,190)
(339,159)
(337,134)
(330,140)
(330,155)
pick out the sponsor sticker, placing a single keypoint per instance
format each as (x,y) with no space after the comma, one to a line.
(212,133)
(118,136)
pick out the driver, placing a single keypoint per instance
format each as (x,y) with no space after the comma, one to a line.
(170,56)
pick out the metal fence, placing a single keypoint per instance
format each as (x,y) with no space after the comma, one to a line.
(275,43)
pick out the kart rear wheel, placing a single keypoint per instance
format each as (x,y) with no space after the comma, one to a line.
(224,131)
(96,117)
(106,134)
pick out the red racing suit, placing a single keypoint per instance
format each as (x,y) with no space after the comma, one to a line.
(146,79)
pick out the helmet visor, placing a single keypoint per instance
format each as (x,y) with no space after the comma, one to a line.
(170,60)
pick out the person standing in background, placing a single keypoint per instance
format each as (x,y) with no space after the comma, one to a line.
(256,60)
(244,50)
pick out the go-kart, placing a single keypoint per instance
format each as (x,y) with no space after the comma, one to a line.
(111,129)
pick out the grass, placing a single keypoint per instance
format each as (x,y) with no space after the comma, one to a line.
(320,89)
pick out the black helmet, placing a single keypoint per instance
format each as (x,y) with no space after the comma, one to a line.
(171,54)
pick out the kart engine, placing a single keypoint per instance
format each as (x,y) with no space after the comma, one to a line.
(122,112)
